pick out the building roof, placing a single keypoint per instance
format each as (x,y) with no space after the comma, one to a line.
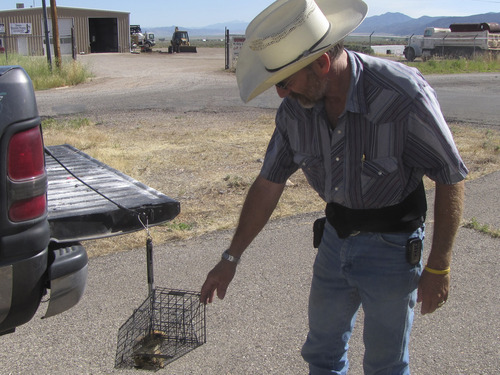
(59,8)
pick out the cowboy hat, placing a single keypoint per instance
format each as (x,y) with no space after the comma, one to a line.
(289,35)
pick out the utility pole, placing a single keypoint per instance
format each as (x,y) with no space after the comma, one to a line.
(47,36)
(55,33)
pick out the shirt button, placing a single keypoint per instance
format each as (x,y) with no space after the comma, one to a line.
(339,131)
(337,159)
(336,189)
(380,173)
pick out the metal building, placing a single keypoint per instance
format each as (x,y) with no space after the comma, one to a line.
(80,31)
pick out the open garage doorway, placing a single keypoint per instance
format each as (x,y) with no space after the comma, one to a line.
(103,35)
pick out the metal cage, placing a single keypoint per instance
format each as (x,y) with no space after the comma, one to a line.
(168,324)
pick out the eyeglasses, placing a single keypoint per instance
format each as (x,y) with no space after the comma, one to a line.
(283,84)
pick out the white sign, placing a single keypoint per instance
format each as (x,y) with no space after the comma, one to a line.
(2,28)
(20,28)
(236,43)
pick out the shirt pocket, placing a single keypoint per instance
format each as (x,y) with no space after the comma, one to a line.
(380,177)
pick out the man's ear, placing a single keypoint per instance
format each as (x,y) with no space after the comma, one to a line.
(322,65)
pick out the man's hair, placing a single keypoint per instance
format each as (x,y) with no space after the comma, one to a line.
(336,51)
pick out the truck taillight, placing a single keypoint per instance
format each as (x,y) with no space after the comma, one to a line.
(26,155)
(26,172)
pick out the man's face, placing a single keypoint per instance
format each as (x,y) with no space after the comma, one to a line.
(304,86)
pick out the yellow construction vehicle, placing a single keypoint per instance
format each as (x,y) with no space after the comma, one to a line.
(180,42)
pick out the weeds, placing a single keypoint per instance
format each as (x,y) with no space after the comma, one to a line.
(74,124)
(179,226)
(483,228)
(209,165)
(480,64)
(71,73)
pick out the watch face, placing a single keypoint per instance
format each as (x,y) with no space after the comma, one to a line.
(230,258)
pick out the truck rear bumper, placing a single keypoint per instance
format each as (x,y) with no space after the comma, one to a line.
(67,278)
(22,289)
(62,269)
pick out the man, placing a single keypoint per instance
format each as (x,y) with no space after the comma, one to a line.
(364,131)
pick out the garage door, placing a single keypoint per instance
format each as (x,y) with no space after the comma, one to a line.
(103,34)
(65,26)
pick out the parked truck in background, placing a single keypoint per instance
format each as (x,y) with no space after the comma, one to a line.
(47,209)
(139,39)
(459,40)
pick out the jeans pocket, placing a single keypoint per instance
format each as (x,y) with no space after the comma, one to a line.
(397,240)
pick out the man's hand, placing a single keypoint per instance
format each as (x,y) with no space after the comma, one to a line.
(432,291)
(217,279)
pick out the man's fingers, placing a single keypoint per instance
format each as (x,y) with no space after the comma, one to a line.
(432,291)
(207,293)
(217,279)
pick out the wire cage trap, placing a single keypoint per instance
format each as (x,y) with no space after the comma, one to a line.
(167,325)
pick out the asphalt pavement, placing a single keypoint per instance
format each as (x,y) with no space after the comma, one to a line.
(261,324)
(196,82)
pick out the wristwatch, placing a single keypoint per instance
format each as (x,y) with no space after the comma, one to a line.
(230,258)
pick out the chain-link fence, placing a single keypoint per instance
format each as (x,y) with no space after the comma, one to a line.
(34,45)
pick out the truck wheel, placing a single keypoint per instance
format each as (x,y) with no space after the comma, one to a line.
(409,53)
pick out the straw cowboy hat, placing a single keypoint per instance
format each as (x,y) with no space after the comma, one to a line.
(289,35)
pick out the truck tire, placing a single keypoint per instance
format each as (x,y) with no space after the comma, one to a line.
(409,53)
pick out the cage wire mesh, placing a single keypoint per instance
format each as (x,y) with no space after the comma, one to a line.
(168,324)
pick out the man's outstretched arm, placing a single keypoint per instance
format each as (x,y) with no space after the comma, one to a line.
(260,203)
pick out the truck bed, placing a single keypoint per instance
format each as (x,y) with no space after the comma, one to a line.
(77,213)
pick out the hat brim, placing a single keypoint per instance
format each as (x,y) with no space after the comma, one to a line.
(252,76)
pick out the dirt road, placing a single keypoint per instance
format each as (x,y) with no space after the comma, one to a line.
(197,81)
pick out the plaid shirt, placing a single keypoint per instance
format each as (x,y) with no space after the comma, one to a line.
(390,135)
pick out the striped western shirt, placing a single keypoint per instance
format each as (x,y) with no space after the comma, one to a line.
(390,135)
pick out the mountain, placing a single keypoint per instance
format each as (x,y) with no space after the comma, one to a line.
(396,24)
(402,25)
(215,30)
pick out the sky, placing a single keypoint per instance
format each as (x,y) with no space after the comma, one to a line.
(200,13)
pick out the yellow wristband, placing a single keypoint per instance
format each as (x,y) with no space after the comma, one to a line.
(438,272)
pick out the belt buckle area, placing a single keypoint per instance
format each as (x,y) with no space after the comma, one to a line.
(354,233)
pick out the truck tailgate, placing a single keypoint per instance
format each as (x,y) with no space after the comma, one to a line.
(78,213)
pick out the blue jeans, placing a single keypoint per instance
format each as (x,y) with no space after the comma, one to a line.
(368,269)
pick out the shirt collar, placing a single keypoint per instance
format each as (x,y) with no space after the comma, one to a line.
(356,101)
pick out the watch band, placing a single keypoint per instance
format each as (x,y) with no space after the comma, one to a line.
(230,258)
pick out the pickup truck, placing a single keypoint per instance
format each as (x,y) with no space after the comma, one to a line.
(51,199)
(459,40)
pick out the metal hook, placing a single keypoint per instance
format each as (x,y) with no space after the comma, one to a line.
(146,226)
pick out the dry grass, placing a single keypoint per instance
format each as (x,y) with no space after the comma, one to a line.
(207,161)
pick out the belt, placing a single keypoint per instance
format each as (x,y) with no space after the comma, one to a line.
(406,216)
